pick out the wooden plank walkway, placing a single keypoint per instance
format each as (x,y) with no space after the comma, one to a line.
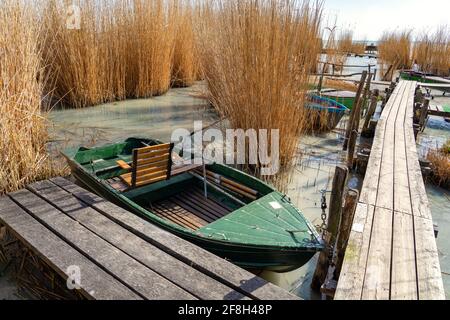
(392,253)
(120,255)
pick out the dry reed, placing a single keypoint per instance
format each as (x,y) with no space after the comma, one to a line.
(440,162)
(123,49)
(346,44)
(23,127)
(185,62)
(256,56)
(339,84)
(394,50)
(432,52)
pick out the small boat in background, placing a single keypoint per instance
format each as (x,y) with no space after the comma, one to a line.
(223,210)
(428,80)
(346,98)
(325,113)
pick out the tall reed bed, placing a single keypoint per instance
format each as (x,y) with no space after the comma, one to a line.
(346,43)
(432,51)
(440,162)
(394,50)
(256,56)
(123,49)
(23,127)
(186,63)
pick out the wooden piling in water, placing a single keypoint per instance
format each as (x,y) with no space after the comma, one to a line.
(355,129)
(353,112)
(424,113)
(334,219)
(371,110)
(348,213)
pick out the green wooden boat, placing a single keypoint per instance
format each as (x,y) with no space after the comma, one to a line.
(346,98)
(241,218)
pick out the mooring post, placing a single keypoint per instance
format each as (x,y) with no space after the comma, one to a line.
(372,109)
(353,112)
(348,214)
(424,113)
(366,94)
(354,132)
(334,218)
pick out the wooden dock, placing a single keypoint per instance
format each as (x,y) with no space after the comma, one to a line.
(392,252)
(119,255)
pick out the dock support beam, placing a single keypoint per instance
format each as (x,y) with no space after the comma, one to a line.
(334,219)
(348,214)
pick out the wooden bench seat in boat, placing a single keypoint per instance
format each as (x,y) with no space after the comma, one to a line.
(152,164)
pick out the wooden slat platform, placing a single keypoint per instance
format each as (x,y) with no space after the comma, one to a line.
(120,255)
(392,253)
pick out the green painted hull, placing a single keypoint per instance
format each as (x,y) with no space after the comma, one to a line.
(418,78)
(253,236)
(346,101)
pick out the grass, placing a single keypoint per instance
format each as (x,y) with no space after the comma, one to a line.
(440,162)
(23,126)
(256,57)
(394,50)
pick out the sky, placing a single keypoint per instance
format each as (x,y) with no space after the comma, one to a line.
(369,18)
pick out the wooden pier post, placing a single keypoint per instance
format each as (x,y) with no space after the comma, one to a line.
(355,130)
(334,219)
(371,110)
(353,113)
(367,94)
(424,113)
(348,214)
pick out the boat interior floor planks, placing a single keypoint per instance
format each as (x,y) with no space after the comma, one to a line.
(190,209)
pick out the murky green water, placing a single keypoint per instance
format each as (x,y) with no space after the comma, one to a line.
(112,122)
(158,117)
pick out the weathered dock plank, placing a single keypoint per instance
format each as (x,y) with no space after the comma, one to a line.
(355,261)
(392,250)
(377,279)
(429,274)
(142,280)
(202,260)
(95,283)
(191,280)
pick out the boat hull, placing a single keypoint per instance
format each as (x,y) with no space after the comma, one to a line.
(325,113)
(270,258)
